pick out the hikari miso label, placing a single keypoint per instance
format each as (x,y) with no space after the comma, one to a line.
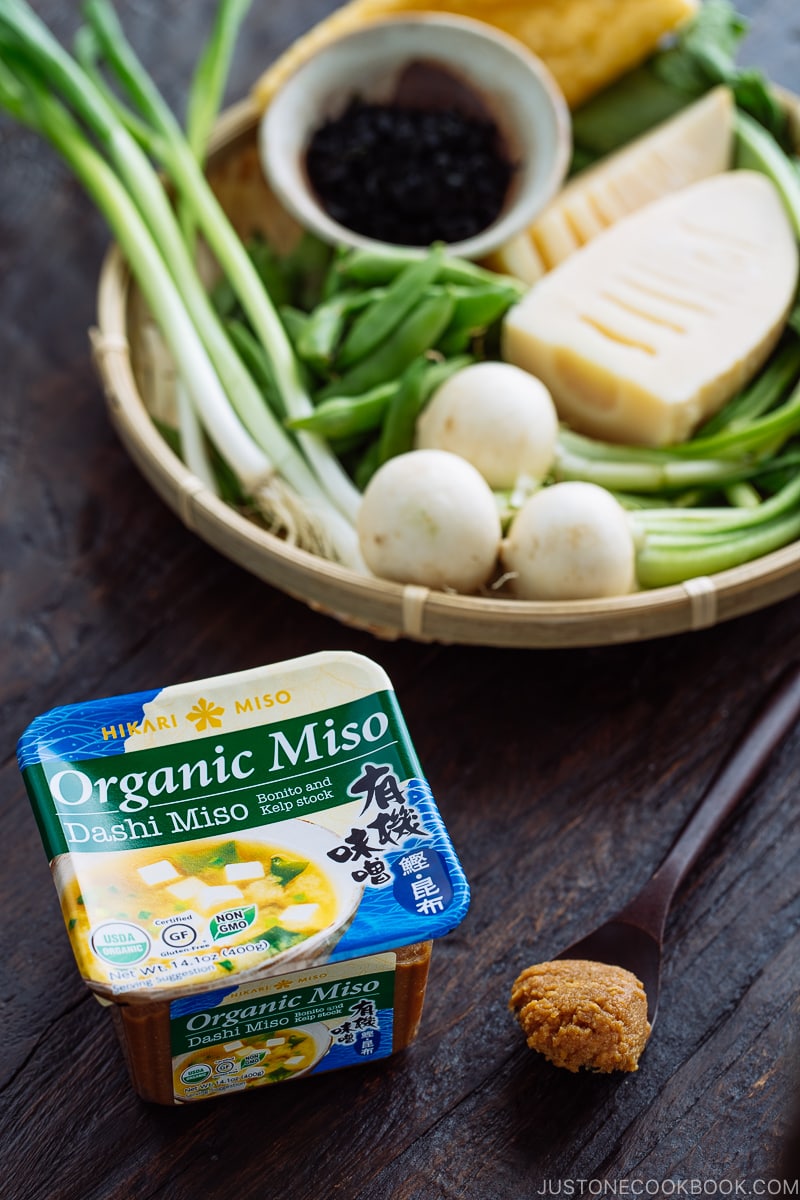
(267,818)
(228,782)
(299,1023)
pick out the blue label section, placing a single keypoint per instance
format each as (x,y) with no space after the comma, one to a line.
(399,912)
(367,1043)
(364,1046)
(75,732)
(194,1004)
(423,883)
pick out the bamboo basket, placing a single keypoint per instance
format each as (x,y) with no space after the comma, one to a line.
(136,382)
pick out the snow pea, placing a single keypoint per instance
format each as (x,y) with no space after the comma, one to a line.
(475,310)
(376,267)
(419,382)
(477,307)
(294,320)
(380,319)
(397,434)
(419,332)
(320,335)
(344,416)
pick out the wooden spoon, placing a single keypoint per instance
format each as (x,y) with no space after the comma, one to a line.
(634,937)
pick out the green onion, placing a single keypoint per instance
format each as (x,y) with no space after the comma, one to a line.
(129,193)
(763,393)
(208,82)
(678,544)
(169,145)
(758,150)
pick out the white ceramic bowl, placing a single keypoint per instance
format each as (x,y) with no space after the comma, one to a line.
(514,85)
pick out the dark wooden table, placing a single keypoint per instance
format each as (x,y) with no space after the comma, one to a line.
(563,777)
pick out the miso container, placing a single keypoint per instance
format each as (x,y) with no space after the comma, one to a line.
(251,870)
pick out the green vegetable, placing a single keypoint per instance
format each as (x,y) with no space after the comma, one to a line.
(305,270)
(397,434)
(377,268)
(761,395)
(474,308)
(376,331)
(702,57)
(273,272)
(254,356)
(731,451)
(367,464)
(170,147)
(417,385)
(416,334)
(119,178)
(294,322)
(758,150)
(319,337)
(207,88)
(714,540)
(636,103)
(286,869)
(344,416)
(379,320)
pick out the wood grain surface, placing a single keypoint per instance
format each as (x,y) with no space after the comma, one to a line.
(563,777)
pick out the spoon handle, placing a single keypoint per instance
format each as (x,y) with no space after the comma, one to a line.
(738,771)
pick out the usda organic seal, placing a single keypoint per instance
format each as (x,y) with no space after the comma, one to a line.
(120,943)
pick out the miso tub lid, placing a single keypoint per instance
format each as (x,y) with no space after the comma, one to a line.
(262,820)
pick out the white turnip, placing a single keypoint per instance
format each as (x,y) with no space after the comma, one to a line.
(496,416)
(428,517)
(571,541)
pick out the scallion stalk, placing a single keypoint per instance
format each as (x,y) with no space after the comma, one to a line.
(171,148)
(195,339)
(46,67)
(210,76)
(765,391)
(631,474)
(45,114)
(662,565)
(677,544)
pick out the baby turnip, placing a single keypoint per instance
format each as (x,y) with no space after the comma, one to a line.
(571,541)
(496,416)
(428,517)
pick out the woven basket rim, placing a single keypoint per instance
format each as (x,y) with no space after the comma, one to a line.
(382,607)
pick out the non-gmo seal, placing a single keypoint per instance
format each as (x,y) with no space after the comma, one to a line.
(119,943)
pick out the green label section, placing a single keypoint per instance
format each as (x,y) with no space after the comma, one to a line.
(230,782)
(328,1001)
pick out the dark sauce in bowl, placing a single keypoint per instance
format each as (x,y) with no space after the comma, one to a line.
(428,165)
